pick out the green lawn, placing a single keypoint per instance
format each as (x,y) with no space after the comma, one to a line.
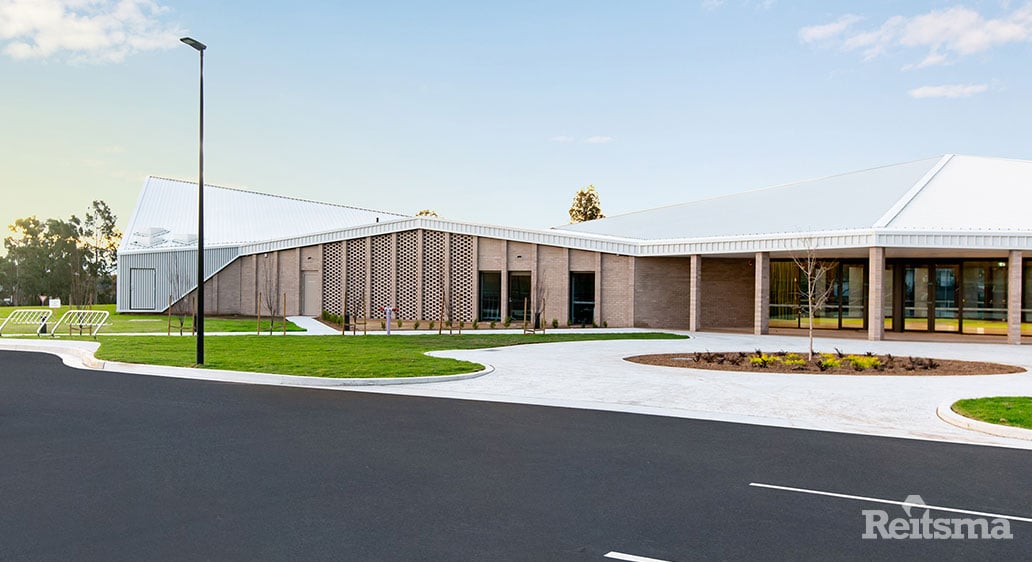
(332,356)
(149,323)
(1003,410)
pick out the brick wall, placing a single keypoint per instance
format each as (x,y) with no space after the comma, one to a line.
(617,291)
(727,292)
(554,274)
(661,292)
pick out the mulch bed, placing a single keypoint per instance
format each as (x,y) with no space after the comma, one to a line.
(863,365)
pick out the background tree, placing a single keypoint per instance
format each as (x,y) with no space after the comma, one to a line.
(427,213)
(99,240)
(8,281)
(71,259)
(586,206)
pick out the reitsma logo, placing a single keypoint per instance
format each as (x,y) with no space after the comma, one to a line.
(919,524)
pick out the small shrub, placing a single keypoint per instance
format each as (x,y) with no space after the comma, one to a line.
(431,324)
(476,324)
(415,325)
(861,363)
(383,325)
(492,325)
(462,324)
(555,323)
(794,363)
(763,361)
(399,323)
(594,325)
(605,324)
(507,321)
(448,324)
(828,362)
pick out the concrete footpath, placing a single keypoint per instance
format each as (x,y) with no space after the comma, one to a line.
(593,375)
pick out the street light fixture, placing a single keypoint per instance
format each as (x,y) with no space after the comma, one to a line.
(199,323)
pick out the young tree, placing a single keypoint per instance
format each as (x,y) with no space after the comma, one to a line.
(816,286)
(271,294)
(586,206)
(178,284)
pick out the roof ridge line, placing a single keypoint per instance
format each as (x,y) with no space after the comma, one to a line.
(901,204)
(755,190)
(287,197)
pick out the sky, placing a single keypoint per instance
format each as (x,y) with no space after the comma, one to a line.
(497,112)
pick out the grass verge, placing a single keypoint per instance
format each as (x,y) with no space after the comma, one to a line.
(332,356)
(1014,411)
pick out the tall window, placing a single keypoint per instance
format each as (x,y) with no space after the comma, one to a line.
(490,296)
(519,294)
(582,298)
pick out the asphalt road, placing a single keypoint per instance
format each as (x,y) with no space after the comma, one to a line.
(103,466)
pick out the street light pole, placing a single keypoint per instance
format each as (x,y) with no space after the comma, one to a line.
(200,47)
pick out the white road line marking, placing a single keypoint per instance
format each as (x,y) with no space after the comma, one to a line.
(893,502)
(631,557)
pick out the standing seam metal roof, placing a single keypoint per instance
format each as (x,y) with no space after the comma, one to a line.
(166,216)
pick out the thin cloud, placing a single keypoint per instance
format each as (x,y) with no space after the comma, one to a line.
(948,91)
(598,140)
(828,31)
(83,30)
(944,35)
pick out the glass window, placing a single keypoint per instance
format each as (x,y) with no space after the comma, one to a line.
(582,298)
(490,295)
(784,294)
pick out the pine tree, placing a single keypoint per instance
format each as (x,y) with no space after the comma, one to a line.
(586,206)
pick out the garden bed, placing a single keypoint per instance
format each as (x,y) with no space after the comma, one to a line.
(837,363)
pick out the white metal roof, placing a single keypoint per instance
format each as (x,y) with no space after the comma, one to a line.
(972,193)
(958,202)
(843,202)
(165,216)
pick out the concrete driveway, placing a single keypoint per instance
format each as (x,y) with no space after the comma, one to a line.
(594,375)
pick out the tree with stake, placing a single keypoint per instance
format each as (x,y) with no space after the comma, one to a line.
(817,286)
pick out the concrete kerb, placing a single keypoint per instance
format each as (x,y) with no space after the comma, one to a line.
(946,414)
(280,380)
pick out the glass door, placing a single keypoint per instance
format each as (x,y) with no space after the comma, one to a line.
(947,301)
(519,294)
(916,301)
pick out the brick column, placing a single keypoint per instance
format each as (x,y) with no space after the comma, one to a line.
(1014,281)
(761,295)
(504,305)
(598,289)
(694,291)
(875,294)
